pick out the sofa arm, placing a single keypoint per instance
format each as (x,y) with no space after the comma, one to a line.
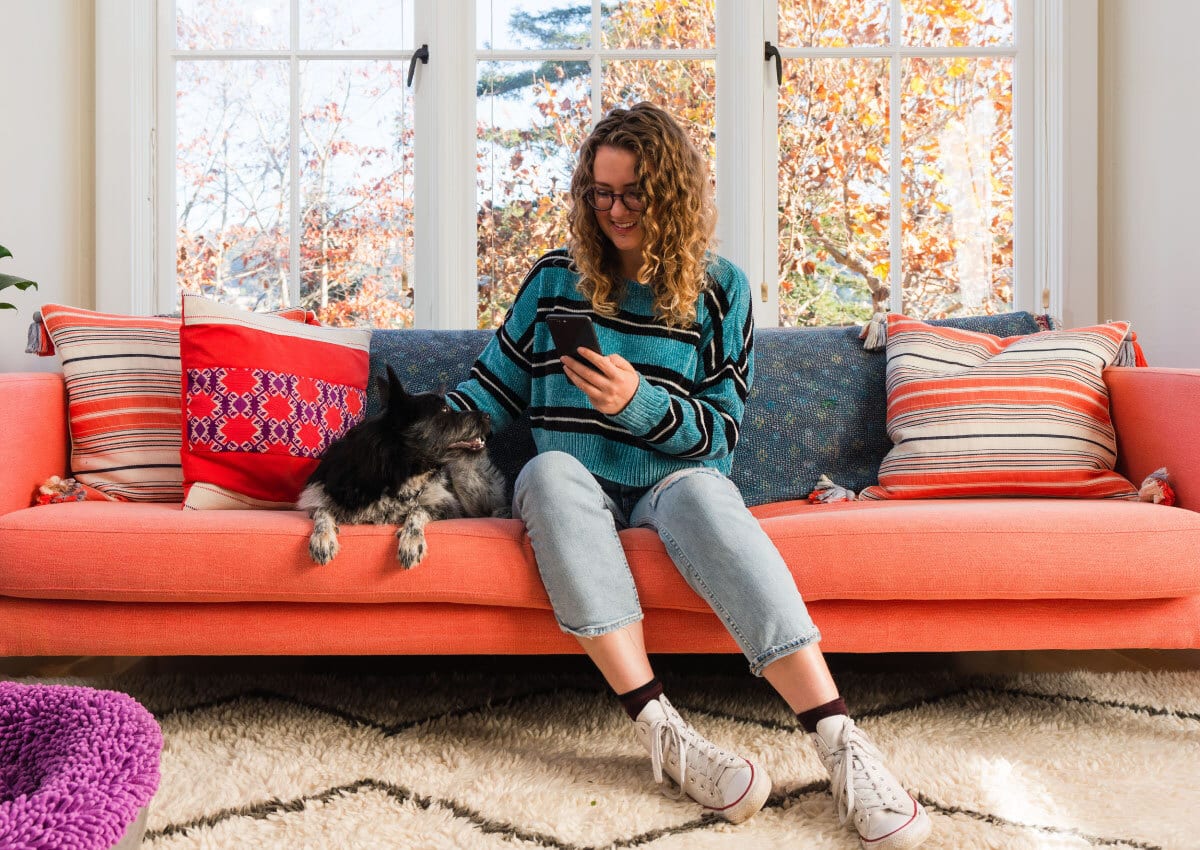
(1156,411)
(33,422)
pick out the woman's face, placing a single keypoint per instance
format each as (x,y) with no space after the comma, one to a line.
(615,170)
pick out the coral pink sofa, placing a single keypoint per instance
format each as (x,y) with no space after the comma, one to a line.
(123,578)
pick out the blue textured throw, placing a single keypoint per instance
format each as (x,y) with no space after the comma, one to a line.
(818,404)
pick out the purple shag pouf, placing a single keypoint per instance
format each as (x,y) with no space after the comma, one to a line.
(76,766)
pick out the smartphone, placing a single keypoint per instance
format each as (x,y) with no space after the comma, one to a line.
(571,332)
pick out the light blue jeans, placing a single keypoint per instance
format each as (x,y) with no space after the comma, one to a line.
(717,545)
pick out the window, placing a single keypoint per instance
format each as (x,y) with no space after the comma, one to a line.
(546,71)
(304,169)
(895,159)
(293,166)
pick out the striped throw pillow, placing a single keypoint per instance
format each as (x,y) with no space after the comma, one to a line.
(123,399)
(975,415)
(262,399)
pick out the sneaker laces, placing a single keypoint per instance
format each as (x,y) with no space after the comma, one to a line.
(671,729)
(857,778)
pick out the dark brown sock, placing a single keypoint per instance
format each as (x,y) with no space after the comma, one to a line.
(809,719)
(636,700)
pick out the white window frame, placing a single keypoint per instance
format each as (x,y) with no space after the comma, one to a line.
(1056,220)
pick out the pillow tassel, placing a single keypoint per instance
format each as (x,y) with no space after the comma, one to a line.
(1130,353)
(1157,488)
(826,491)
(874,333)
(56,489)
(33,337)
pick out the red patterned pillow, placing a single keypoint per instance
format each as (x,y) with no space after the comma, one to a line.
(971,414)
(122,379)
(262,399)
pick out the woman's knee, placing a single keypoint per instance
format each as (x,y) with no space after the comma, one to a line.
(549,473)
(548,468)
(694,493)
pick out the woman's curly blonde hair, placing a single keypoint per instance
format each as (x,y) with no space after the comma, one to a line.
(678,220)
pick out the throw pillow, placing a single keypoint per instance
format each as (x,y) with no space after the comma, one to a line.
(262,400)
(971,414)
(122,380)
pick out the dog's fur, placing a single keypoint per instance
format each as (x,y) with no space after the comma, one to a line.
(415,461)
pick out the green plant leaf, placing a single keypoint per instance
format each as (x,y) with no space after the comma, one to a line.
(4,252)
(7,280)
(4,305)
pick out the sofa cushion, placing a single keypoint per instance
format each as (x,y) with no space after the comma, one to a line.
(974,415)
(122,378)
(917,550)
(262,399)
(817,404)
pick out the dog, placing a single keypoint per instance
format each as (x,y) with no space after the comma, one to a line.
(415,461)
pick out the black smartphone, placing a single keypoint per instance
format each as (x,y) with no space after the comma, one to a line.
(572,332)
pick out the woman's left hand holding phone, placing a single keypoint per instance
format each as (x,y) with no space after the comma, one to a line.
(609,381)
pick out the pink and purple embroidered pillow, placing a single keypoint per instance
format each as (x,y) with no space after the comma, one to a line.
(262,400)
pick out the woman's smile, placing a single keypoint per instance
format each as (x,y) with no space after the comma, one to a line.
(615,170)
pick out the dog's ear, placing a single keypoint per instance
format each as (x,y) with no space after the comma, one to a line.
(401,407)
(395,388)
(384,390)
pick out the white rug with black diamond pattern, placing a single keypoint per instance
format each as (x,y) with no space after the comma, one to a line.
(476,760)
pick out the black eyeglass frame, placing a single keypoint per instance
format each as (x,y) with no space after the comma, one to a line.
(593,196)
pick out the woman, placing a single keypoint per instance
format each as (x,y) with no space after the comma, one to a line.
(643,436)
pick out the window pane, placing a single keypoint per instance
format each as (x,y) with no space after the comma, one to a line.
(532,24)
(356,24)
(654,24)
(957,186)
(231,181)
(685,88)
(532,118)
(834,193)
(834,23)
(356,193)
(231,24)
(961,23)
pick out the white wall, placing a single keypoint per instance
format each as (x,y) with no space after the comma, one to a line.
(46,172)
(1149,182)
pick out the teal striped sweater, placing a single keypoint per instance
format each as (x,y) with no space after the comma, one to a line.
(688,404)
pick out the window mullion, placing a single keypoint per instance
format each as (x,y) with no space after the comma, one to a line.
(895,167)
(597,66)
(294,224)
(165,222)
(742,182)
(444,274)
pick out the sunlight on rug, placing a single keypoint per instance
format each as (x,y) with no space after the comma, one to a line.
(477,761)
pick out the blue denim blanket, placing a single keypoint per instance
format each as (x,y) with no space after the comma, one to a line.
(818,404)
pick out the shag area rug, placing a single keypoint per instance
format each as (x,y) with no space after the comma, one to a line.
(497,760)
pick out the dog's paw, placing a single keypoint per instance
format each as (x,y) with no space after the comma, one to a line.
(323,546)
(502,512)
(411,549)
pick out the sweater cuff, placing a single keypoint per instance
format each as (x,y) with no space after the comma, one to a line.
(645,411)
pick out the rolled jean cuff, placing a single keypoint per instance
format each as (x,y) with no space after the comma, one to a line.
(599,631)
(777,652)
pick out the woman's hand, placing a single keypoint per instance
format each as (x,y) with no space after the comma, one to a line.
(609,386)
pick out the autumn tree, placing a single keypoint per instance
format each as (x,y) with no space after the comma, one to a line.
(835,169)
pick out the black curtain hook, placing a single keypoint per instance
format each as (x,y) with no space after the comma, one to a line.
(422,53)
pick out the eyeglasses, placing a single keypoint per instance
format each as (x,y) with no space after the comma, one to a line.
(602,199)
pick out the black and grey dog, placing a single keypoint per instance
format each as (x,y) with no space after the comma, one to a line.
(417,460)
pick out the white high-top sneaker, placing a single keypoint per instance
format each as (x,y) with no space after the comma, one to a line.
(719,780)
(885,815)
